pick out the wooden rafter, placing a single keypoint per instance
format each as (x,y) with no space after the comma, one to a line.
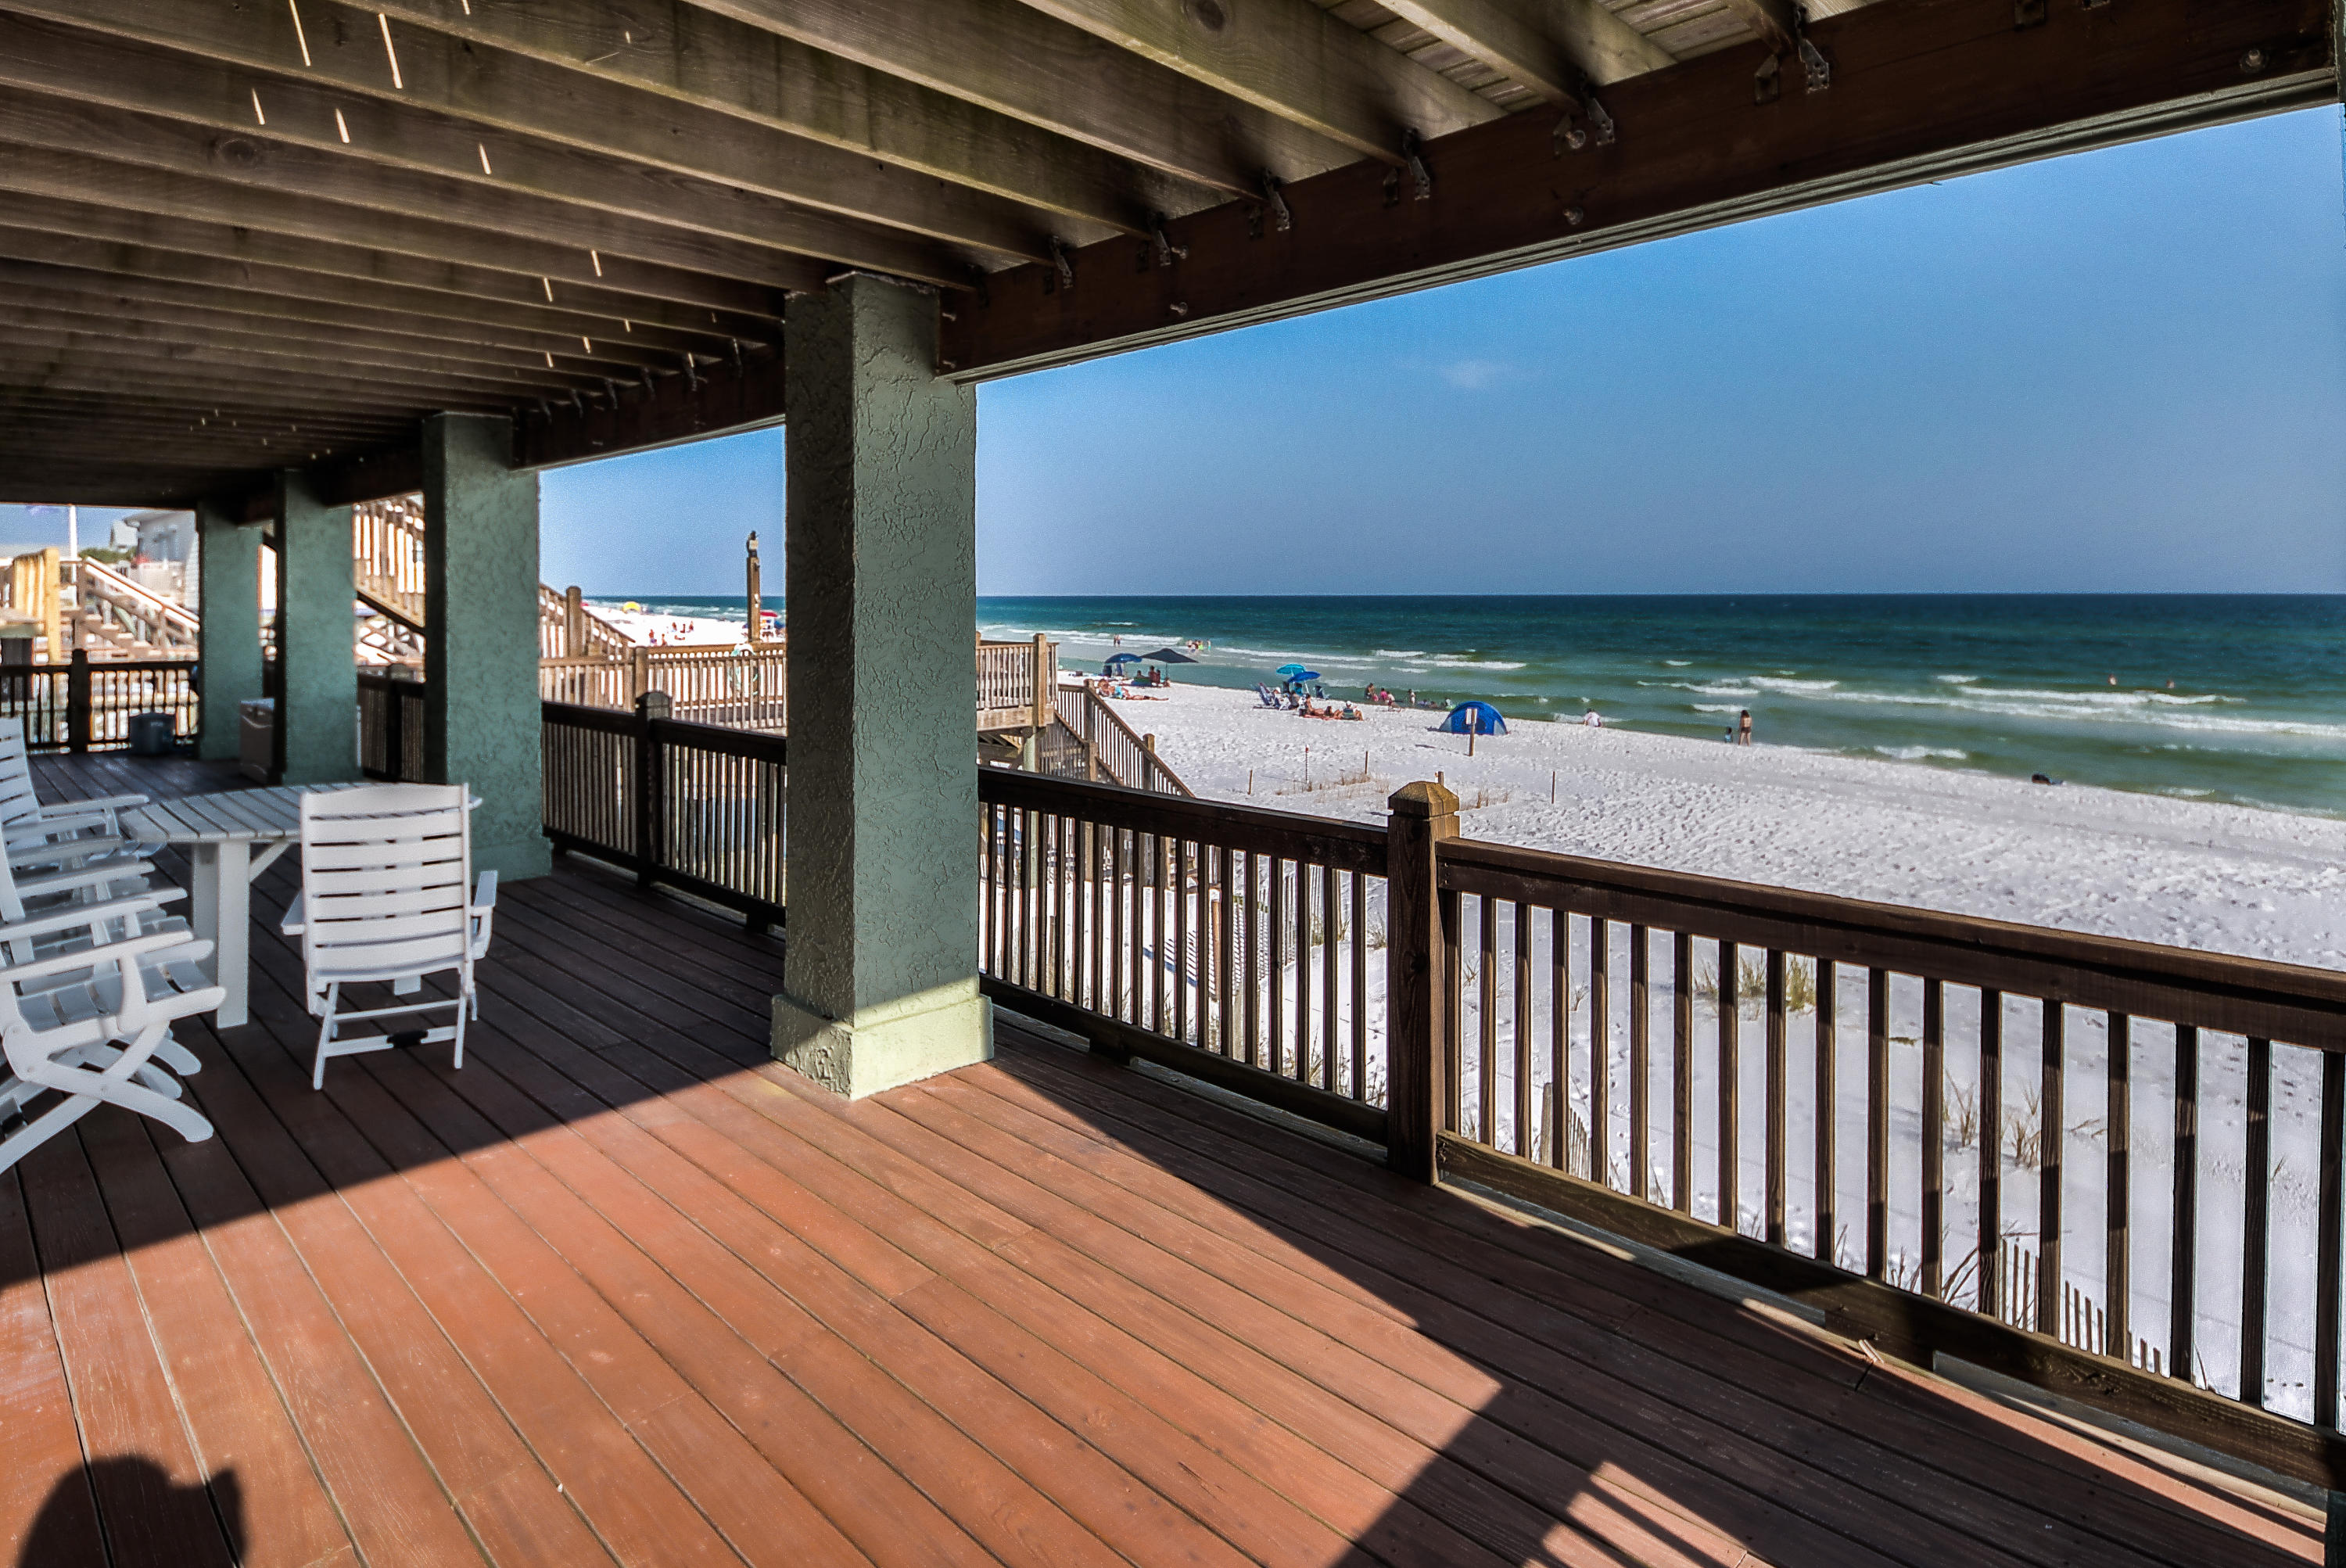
(1548,47)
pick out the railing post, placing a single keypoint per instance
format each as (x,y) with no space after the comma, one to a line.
(640,673)
(1417,945)
(651,791)
(77,701)
(574,622)
(1047,678)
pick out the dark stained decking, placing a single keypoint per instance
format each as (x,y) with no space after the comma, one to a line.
(622,1289)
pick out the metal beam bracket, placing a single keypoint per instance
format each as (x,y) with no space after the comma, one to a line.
(1066,268)
(1570,133)
(1281,218)
(1412,153)
(1167,251)
(1818,69)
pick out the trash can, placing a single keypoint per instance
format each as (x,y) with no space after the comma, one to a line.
(256,737)
(153,734)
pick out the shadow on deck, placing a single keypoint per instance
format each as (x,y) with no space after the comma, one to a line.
(623,1290)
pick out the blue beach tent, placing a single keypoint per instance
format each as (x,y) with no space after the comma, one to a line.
(1475,719)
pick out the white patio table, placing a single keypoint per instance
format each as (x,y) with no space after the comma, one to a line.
(221,833)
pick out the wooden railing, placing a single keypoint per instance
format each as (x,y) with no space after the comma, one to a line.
(391,727)
(1017,684)
(744,687)
(567,628)
(1234,943)
(695,806)
(86,704)
(387,556)
(124,609)
(1926,1128)
(1123,754)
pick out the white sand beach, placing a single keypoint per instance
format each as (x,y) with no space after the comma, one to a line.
(2267,884)
(2261,883)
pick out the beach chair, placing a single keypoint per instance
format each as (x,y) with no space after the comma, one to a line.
(88,1026)
(388,896)
(1269,698)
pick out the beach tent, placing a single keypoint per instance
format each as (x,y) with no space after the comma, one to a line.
(1475,719)
(1169,655)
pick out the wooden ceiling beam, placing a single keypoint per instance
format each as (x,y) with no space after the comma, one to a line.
(248,305)
(93,412)
(560,193)
(140,245)
(33,367)
(258,182)
(504,94)
(727,399)
(1922,90)
(1288,59)
(193,408)
(167,327)
(1549,45)
(980,93)
(29,478)
(154,346)
(159,209)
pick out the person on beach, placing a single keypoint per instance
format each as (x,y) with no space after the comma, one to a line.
(1743,728)
(1593,719)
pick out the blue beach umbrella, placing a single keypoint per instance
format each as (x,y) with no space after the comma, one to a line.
(1291,671)
(1304,675)
(1124,658)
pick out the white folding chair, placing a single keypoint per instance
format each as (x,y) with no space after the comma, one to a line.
(388,896)
(89,1025)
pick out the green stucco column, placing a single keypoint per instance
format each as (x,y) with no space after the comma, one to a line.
(227,641)
(317,633)
(881,969)
(480,638)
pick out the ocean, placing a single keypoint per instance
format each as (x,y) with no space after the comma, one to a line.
(2239,698)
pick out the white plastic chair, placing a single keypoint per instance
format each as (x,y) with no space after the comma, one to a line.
(26,825)
(87,1026)
(385,874)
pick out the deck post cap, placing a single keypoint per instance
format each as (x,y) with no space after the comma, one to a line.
(1423,798)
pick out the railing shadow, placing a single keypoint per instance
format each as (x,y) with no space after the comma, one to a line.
(149,1517)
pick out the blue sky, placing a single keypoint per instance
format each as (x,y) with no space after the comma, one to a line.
(2124,370)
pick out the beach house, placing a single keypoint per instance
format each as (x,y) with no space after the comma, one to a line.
(1046,1168)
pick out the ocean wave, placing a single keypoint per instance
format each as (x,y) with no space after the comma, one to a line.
(1917,753)
(1714,688)
(1677,663)
(1446,662)
(1714,708)
(1790,686)
(1401,653)
(1955,680)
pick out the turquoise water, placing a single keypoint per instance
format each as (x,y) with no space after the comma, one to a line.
(2013,684)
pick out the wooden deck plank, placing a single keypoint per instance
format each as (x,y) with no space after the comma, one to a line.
(152,1494)
(43,1485)
(232,1400)
(627,1291)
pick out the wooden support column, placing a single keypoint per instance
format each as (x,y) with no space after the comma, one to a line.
(228,641)
(1419,931)
(481,716)
(317,632)
(881,578)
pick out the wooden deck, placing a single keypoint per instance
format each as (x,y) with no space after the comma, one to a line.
(621,1290)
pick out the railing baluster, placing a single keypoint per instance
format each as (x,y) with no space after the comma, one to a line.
(1935,1137)
(2255,1231)
(1251,907)
(1360,956)
(1730,1087)
(1486,996)
(1182,894)
(1991,1152)
(2326,1242)
(2050,1140)
(1600,1042)
(1277,1021)
(1773,1131)
(2183,1269)
(2117,1196)
(1331,924)
(1302,972)
(1877,1123)
(1640,1109)
(1521,1032)
(1682,1072)
(1826,1044)
(1453,1010)
(1226,922)
(1559,1047)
